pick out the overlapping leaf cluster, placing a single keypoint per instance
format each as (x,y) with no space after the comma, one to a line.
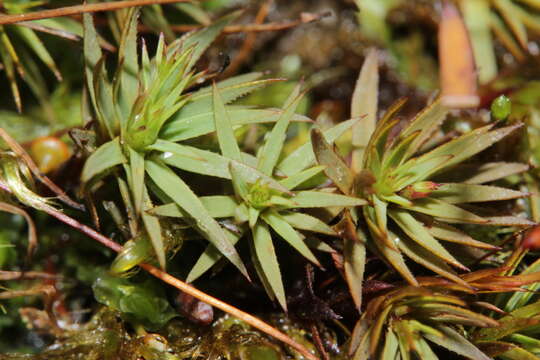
(145,113)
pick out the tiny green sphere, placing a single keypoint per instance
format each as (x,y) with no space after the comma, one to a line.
(501,107)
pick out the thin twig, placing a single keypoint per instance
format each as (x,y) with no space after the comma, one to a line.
(305,18)
(249,41)
(16,275)
(180,285)
(80,9)
(250,319)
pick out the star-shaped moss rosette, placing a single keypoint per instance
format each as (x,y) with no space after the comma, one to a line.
(265,198)
(148,108)
(408,319)
(408,213)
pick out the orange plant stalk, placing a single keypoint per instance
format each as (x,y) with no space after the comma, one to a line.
(457,68)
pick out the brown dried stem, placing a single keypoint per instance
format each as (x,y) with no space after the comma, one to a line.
(80,9)
(305,18)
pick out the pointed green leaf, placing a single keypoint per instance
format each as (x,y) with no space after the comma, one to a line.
(209,257)
(303,157)
(477,17)
(426,122)
(454,342)
(105,157)
(271,150)
(364,100)
(127,58)
(423,350)
(153,228)
(183,127)
(469,144)
(417,170)
(298,179)
(393,257)
(446,211)
(32,40)
(192,159)
(391,346)
(508,221)
(314,199)
(224,129)
(335,167)
(287,232)
(449,233)
(483,173)
(203,38)
(218,206)
(136,164)
(417,232)
(92,53)
(469,193)
(516,321)
(354,263)
(306,222)
(421,256)
(266,255)
(510,12)
(182,195)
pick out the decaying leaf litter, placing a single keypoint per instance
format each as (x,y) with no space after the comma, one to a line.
(335,182)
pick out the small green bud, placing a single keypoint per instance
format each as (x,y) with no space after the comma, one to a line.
(259,195)
(501,107)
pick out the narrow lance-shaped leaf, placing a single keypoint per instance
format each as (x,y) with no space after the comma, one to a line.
(335,167)
(227,140)
(136,165)
(203,38)
(153,228)
(302,157)
(127,57)
(365,104)
(446,211)
(297,179)
(184,127)
(306,222)
(218,206)
(92,53)
(425,258)
(477,16)
(469,193)
(451,234)
(453,341)
(416,231)
(287,232)
(316,199)
(105,157)
(177,190)
(271,150)
(32,40)
(209,257)
(266,255)
(470,144)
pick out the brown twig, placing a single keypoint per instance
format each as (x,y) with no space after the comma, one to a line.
(80,9)
(305,18)
(180,285)
(16,275)
(248,43)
